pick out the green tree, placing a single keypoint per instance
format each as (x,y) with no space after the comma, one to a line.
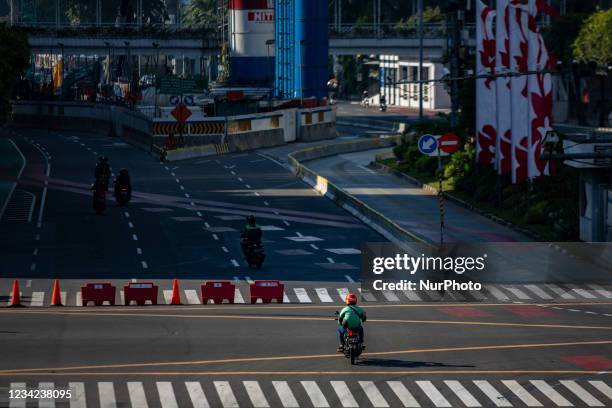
(201,12)
(594,42)
(15,56)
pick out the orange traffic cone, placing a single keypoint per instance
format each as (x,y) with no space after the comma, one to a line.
(56,297)
(176,294)
(16,297)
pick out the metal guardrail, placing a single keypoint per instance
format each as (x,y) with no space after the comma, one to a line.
(392,30)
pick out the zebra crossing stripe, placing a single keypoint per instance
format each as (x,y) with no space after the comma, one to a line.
(495,397)
(302,295)
(344,394)
(79,299)
(17,402)
(434,295)
(539,292)
(497,293)
(285,298)
(46,402)
(196,394)
(521,393)
(403,394)
(166,394)
(561,292)
(257,397)
(106,392)
(550,392)
(603,388)
(390,296)
(581,393)
(478,295)
(517,292)
(366,295)
(37,299)
(323,295)
(63,297)
(238,296)
(284,393)
(456,295)
(168,296)
(342,292)
(192,297)
(462,393)
(603,292)
(77,399)
(411,295)
(433,394)
(373,394)
(314,393)
(226,395)
(581,292)
(138,398)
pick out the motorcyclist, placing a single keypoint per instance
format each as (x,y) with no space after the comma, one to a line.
(350,318)
(102,171)
(251,234)
(123,180)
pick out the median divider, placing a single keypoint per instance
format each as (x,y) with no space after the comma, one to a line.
(98,293)
(266,290)
(140,292)
(369,216)
(217,291)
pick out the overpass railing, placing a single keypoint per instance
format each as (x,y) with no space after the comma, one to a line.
(392,30)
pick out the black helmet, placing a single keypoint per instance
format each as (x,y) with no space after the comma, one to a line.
(251,220)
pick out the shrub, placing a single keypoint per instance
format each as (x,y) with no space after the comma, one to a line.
(537,213)
(426,164)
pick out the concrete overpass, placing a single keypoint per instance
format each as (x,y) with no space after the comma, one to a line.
(343,40)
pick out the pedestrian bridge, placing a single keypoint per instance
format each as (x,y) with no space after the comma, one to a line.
(396,39)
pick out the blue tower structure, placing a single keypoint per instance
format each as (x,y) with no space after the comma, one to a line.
(301,48)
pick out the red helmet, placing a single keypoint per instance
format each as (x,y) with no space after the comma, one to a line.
(351,299)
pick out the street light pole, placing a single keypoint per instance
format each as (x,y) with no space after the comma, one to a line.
(155,108)
(420,6)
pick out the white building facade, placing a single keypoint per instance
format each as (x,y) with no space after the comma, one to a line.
(394,69)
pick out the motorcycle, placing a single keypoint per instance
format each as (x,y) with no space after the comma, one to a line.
(122,195)
(352,344)
(99,200)
(253,254)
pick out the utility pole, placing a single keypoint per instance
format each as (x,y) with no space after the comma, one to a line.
(421,34)
(454,20)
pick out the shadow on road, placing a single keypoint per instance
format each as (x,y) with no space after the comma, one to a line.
(378,362)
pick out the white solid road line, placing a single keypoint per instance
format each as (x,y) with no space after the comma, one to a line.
(192,297)
(106,391)
(373,394)
(46,402)
(323,295)
(196,394)
(494,395)
(581,393)
(302,295)
(226,395)
(433,394)
(138,398)
(521,393)
(167,398)
(256,395)
(314,393)
(78,399)
(551,393)
(344,394)
(462,393)
(285,394)
(403,394)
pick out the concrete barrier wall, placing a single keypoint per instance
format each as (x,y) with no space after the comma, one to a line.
(317,124)
(350,203)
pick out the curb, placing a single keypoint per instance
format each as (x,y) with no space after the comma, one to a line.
(386,169)
(369,216)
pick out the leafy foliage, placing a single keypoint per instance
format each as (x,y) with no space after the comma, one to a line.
(201,12)
(15,56)
(594,42)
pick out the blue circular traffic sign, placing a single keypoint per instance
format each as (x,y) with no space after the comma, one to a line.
(428,144)
(188,99)
(174,100)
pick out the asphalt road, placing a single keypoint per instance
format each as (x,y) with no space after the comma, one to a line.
(508,345)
